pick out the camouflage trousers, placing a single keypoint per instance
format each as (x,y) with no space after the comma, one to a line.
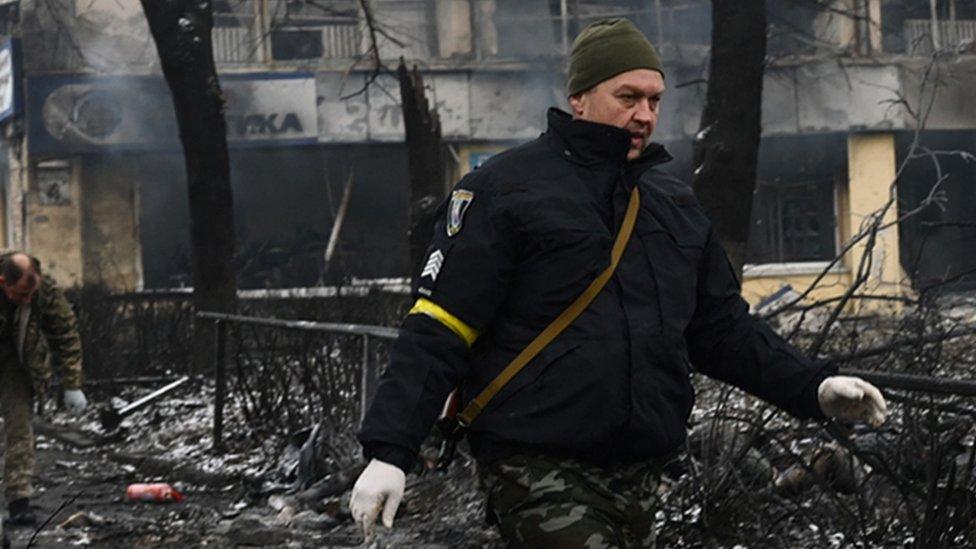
(542,502)
(16,397)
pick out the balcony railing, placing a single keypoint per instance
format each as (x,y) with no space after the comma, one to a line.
(234,45)
(959,35)
(336,39)
(510,34)
(340,40)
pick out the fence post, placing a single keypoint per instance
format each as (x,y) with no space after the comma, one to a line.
(220,382)
(364,380)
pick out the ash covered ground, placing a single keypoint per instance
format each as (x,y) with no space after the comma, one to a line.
(750,478)
(237,498)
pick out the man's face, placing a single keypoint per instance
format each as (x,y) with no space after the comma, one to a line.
(22,292)
(629,101)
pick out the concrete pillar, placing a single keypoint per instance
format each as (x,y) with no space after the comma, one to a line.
(7,177)
(871,174)
(16,191)
(486,33)
(874,26)
(453,27)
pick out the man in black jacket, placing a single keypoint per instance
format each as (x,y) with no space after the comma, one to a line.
(568,450)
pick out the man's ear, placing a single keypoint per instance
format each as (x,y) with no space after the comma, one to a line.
(576,104)
(3,281)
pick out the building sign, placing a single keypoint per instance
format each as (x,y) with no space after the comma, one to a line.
(270,108)
(9,79)
(87,114)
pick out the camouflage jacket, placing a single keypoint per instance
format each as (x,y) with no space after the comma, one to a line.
(46,326)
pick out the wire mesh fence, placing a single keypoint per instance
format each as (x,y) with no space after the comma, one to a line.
(149,333)
(134,334)
(285,375)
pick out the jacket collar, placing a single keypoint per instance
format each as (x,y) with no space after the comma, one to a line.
(591,143)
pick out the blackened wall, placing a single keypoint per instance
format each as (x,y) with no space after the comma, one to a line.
(285,202)
(938,247)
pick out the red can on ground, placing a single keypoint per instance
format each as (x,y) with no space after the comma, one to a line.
(161,492)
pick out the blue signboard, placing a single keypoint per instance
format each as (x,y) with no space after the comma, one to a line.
(10,89)
(79,114)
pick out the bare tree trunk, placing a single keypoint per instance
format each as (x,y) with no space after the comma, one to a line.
(181,31)
(727,147)
(426,162)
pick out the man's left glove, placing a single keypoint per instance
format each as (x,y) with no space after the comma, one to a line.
(852,399)
(379,489)
(74,400)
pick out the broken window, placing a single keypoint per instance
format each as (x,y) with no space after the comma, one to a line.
(309,29)
(792,222)
(793,27)
(525,29)
(793,208)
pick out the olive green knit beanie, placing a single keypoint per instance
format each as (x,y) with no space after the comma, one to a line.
(605,49)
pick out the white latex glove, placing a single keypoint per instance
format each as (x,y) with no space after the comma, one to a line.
(852,399)
(380,485)
(74,400)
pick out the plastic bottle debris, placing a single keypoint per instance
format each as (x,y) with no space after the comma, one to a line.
(160,492)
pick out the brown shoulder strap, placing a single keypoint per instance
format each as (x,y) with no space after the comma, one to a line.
(474,408)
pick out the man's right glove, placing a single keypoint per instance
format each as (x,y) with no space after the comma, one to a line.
(379,486)
(75,401)
(852,399)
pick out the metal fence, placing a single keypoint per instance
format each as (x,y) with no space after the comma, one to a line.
(148,333)
(134,334)
(283,375)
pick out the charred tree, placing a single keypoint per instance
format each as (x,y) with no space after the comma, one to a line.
(727,147)
(181,31)
(425,160)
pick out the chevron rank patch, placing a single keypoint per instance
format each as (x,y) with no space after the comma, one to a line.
(433,266)
(460,200)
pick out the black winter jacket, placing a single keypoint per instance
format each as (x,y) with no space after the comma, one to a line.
(614,386)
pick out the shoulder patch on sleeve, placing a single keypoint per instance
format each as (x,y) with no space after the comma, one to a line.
(460,200)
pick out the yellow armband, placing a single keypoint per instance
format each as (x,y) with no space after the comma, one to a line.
(427,307)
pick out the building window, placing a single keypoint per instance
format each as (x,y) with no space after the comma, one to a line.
(296,44)
(792,222)
(314,30)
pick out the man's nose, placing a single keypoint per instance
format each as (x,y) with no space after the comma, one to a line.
(645,113)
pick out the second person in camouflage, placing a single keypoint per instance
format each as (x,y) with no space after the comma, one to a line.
(33,311)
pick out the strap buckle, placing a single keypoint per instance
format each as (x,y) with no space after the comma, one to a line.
(453,430)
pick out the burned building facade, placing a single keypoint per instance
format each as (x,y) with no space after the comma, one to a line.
(94,182)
